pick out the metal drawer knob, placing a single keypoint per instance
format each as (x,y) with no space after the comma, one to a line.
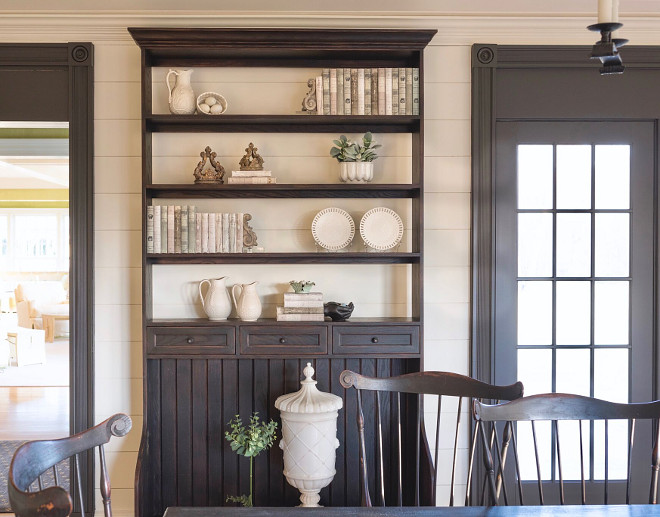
(190,340)
(374,340)
(282,340)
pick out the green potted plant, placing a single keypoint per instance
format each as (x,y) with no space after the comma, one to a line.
(249,442)
(355,158)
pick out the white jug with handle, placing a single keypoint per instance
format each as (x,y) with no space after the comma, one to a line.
(182,96)
(248,305)
(216,303)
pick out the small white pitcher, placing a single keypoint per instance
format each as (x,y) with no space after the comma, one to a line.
(248,305)
(182,97)
(216,303)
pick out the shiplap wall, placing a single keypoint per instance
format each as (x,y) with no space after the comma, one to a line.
(281,225)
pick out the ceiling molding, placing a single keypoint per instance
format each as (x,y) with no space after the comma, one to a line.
(452,29)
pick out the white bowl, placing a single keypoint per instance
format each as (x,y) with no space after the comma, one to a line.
(220,100)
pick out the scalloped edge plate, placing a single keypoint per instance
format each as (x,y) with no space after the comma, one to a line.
(333,229)
(381,228)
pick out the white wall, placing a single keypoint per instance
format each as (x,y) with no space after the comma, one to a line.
(117,189)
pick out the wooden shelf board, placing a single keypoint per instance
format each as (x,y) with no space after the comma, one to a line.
(284,190)
(284,258)
(203,322)
(282,123)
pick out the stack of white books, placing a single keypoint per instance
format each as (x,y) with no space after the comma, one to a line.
(251,178)
(301,307)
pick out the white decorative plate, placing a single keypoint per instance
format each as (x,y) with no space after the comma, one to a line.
(333,229)
(381,228)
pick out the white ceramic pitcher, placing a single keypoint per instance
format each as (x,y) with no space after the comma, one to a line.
(216,303)
(182,96)
(248,305)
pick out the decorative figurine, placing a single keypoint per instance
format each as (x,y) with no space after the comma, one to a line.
(211,172)
(251,161)
(338,311)
(301,286)
(309,101)
(249,237)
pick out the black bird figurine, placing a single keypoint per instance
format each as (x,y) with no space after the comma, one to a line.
(338,311)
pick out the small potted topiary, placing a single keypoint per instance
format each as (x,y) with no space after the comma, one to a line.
(355,158)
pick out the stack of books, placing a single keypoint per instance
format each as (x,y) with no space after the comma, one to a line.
(368,91)
(301,307)
(250,178)
(181,229)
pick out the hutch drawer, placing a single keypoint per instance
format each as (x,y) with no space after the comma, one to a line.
(164,341)
(283,340)
(394,339)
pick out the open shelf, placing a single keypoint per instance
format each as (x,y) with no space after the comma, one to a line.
(285,258)
(204,322)
(284,190)
(282,123)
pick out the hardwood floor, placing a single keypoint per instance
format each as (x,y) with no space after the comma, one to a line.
(32,413)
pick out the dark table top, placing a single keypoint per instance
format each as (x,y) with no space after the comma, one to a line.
(473,511)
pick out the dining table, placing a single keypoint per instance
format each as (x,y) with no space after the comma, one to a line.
(634,510)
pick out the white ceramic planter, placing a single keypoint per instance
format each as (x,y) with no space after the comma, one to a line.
(309,438)
(356,172)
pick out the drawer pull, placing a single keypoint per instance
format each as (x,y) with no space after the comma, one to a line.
(374,340)
(190,340)
(282,340)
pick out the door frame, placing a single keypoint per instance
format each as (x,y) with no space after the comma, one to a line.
(69,100)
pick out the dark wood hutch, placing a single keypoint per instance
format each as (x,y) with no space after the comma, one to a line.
(199,374)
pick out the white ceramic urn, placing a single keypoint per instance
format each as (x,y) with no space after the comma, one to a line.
(309,438)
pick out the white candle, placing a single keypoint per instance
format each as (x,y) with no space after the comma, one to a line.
(605,8)
(615,11)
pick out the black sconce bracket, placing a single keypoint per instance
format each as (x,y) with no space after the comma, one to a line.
(607,49)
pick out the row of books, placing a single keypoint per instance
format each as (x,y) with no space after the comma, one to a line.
(251,178)
(368,91)
(301,307)
(181,229)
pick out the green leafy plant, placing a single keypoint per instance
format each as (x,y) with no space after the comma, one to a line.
(348,151)
(249,442)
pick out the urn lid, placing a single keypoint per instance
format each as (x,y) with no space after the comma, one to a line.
(308,399)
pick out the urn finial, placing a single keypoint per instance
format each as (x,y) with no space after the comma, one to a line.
(308,372)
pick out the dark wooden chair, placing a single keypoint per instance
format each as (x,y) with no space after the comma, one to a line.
(555,407)
(32,459)
(399,461)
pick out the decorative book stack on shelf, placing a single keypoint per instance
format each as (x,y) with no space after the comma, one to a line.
(301,307)
(199,374)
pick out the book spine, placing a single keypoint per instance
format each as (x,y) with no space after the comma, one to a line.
(319,95)
(218,233)
(232,233)
(303,296)
(326,91)
(409,88)
(367,91)
(163,229)
(298,317)
(191,229)
(177,229)
(333,91)
(150,229)
(205,232)
(340,91)
(381,91)
(302,310)
(395,91)
(402,91)
(184,229)
(360,92)
(239,232)
(250,174)
(170,229)
(347,91)
(251,181)
(225,233)
(299,303)
(388,91)
(354,91)
(211,238)
(198,233)
(415,91)
(157,244)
